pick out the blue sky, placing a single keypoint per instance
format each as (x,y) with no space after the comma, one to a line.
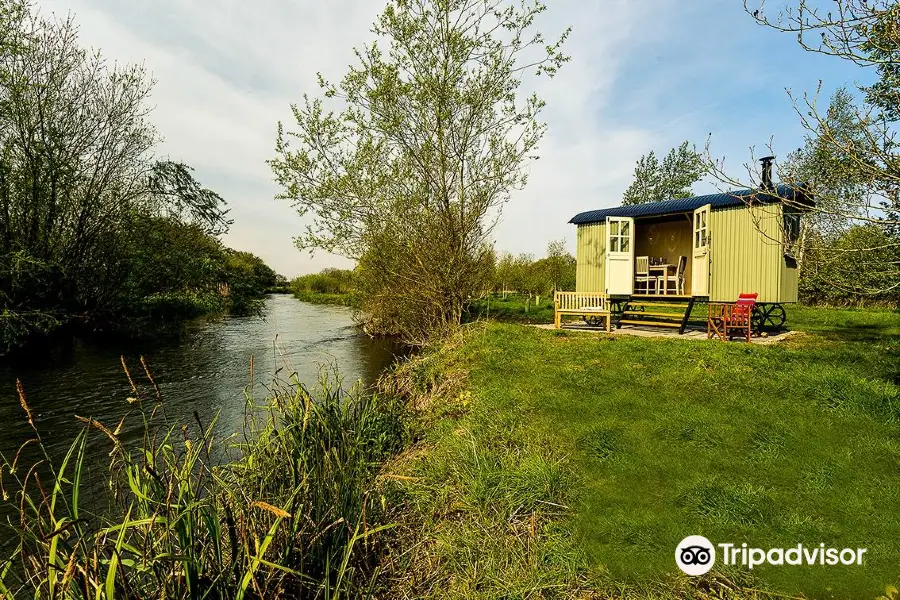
(645,75)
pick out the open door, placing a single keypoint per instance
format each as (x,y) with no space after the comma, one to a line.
(700,264)
(619,255)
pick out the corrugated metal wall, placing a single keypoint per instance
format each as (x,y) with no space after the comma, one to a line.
(746,254)
(590,273)
(790,283)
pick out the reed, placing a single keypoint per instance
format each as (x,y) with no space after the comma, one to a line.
(294,512)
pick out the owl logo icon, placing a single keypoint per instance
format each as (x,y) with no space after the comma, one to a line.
(695,555)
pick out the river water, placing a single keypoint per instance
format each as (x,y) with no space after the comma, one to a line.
(206,370)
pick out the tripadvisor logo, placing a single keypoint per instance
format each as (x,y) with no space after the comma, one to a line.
(696,555)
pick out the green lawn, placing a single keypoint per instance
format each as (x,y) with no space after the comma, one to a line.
(513,309)
(649,440)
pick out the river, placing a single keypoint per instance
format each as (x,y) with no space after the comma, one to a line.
(206,370)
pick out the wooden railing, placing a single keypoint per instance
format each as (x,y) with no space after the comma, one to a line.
(582,301)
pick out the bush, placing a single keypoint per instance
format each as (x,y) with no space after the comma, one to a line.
(328,281)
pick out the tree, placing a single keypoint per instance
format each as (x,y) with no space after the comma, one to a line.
(249,277)
(878,41)
(177,194)
(860,265)
(558,267)
(867,33)
(411,176)
(79,187)
(74,142)
(817,165)
(505,273)
(673,178)
(73,137)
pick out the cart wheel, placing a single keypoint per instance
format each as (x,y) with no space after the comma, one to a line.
(768,317)
(776,317)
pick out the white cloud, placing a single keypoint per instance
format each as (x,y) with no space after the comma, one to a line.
(586,157)
(228,70)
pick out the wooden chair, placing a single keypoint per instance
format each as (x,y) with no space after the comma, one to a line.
(677,278)
(727,320)
(642,273)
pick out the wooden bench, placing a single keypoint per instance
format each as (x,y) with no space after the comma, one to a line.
(581,304)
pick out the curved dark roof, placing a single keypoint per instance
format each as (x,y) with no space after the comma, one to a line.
(736,198)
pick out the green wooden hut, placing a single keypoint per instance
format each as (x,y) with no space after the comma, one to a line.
(736,242)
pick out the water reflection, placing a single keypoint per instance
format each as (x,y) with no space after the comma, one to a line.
(206,371)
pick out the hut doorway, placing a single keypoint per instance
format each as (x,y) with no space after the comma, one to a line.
(664,240)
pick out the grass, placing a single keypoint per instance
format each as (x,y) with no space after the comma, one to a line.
(550,465)
(297,512)
(513,308)
(559,462)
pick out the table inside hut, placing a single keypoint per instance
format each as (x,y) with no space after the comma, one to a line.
(663,270)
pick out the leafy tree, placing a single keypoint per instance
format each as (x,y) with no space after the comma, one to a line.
(92,227)
(541,277)
(817,165)
(410,177)
(504,272)
(858,266)
(73,140)
(248,278)
(524,278)
(558,268)
(177,194)
(673,178)
(862,138)
(171,270)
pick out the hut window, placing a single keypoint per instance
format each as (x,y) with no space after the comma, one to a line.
(700,229)
(791,227)
(619,236)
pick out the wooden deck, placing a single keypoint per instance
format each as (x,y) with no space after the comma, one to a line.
(663,296)
(642,310)
(645,310)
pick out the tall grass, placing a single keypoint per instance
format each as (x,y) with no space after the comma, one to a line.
(295,513)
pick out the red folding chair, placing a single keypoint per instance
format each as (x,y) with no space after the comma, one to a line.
(727,320)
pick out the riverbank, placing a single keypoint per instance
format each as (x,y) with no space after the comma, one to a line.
(217,495)
(531,463)
(558,462)
(157,320)
(295,511)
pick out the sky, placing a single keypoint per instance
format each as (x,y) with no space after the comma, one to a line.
(645,75)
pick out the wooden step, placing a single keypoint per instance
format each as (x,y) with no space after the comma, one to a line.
(655,304)
(662,296)
(671,315)
(651,323)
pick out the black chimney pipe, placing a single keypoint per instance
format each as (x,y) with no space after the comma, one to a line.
(767,184)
